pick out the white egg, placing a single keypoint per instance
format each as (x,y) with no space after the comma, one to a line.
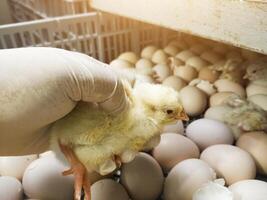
(43,179)
(225,85)
(185,178)
(15,165)
(260,100)
(10,188)
(159,57)
(186,73)
(161,72)
(144,66)
(174,148)
(171,50)
(207,132)
(174,82)
(230,162)
(148,51)
(205,86)
(177,127)
(185,55)
(196,62)
(249,190)
(253,89)
(129,56)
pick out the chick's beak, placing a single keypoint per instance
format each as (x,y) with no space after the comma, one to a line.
(182,116)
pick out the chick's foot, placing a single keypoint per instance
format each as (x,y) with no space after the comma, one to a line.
(81,178)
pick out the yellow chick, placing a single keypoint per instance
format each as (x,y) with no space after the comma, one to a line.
(93,140)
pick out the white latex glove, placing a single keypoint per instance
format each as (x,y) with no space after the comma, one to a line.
(40,85)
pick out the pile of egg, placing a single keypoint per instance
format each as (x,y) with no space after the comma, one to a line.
(200,160)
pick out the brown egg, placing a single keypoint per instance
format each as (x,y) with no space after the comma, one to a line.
(225,85)
(108,189)
(196,62)
(186,73)
(193,100)
(207,74)
(185,178)
(174,82)
(219,97)
(143,177)
(171,50)
(172,149)
(256,144)
(185,55)
(207,132)
(230,162)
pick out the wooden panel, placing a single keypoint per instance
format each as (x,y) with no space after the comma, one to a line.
(242,23)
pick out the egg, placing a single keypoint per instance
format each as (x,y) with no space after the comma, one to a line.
(174,82)
(144,66)
(217,112)
(185,55)
(43,179)
(196,62)
(142,178)
(172,149)
(253,89)
(159,57)
(129,56)
(207,74)
(161,72)
(174,62)
(230,162)
(148,51)
(219,98)
(10,188)
(260,100)
(186,73)
(121,64)
(211,56)
(15,165)
(198,48)
(225,85)
(108,189)
(204,86)
(171,50)
(256,144)
(185,178)
(193,100)
(176,127)
(249,190)
(207,132)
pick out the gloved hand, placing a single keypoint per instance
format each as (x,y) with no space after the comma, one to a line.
(40,85)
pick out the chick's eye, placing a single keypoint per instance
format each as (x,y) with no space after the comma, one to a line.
(169,111)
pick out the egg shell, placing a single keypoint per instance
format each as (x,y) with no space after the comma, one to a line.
(174,62)
(186,73)
(148,51)
(159,57)
(207,74)
(144,66)
(196,62)
(161,72)
(174,148)
(198,48)
(211,56)
(177,127)
(256,144)
(15,165)
(219,97)
(230,162)
(193,100)
(142,178)
(217,112)
(185,55)
(171,50)
(249,190)
(260,100)
(174,82)
(185,178)
(204,86)
(129,56)
(108,189)
(43,180)
(224,85)
(10,188)
(253,89)
(121,64)
(207,132)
